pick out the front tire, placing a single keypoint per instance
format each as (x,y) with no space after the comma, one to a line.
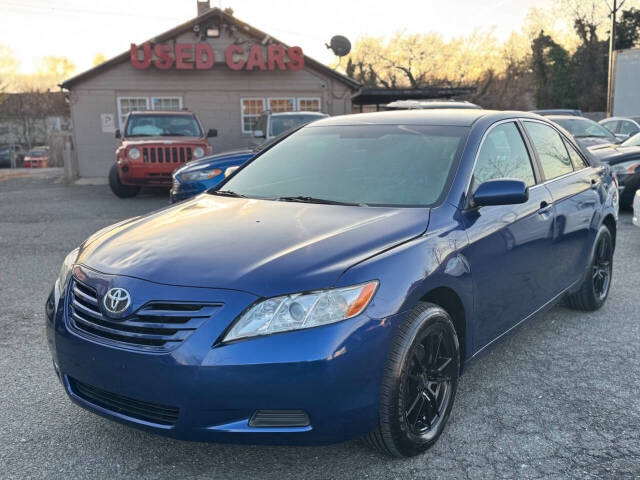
(120,190)
(594,289)
(419,383)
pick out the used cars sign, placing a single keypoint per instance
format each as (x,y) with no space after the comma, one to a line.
(200,56)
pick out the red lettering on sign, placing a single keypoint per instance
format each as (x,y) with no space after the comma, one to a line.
(184,57)
(231,51)
(204,56)
(275,56)
(146,59)
(256,59)
(296,58)
(163,60)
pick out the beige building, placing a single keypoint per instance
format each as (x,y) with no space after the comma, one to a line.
(215,65)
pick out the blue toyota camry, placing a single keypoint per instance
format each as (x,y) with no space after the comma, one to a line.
(337,284)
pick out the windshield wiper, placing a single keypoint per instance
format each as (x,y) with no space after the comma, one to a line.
(305,199)
(228,193)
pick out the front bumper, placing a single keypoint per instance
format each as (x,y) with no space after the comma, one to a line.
(333,373)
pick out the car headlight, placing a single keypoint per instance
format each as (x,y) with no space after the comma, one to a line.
(302,310)
(66,268)
(198,152)
(134,153)
(625,168)
(201,174)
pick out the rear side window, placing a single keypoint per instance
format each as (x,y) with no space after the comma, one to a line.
(503,154)
(628,128)
(577,160)
(550,149)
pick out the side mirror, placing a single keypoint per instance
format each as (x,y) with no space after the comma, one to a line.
(118,135)
(212,133)
(229,171)
(500,192)
(258,134)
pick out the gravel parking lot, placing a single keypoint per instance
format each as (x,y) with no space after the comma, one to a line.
(559,399)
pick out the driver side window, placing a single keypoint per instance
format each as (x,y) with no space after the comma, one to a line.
(503,154)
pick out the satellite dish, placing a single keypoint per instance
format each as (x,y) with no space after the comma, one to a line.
(340,45)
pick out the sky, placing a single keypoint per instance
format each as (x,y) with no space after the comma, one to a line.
(78,29)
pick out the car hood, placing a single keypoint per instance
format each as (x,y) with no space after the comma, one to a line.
(213,160)
(613,154)
(588,142)
(259,246)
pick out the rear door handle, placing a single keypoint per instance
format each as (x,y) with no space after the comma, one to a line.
(545,207)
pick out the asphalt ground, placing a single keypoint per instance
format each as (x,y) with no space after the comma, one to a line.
(560,399)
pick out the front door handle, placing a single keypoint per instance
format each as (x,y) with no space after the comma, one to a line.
(545,208)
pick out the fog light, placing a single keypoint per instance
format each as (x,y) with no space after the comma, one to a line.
(279,418)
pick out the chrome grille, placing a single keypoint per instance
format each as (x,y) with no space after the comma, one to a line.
(162,154)
(155,326)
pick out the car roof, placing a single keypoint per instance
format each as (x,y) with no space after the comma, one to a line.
(304,112)
(446,116)
(161,112)
(431,104)
(634,119)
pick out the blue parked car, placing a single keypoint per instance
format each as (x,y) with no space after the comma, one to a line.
(338,284)
(200,175)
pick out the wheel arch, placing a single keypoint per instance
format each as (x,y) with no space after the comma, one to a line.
(450,301)
(610,222)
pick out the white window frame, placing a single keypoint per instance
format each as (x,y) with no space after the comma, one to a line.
(119,105)
(243,115)
(167,97)
(294,103)
(300,99)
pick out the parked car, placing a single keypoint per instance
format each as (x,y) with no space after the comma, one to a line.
(625,164)
(270,125)
(633,141)
(337,284)
(9,152)
(636,209)
(587,132)
(558,111)
(430,105)
(206,173)
(152,145)
(37,157)
(622,127)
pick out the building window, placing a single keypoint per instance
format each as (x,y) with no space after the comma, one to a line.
(166,103)
(130,104)
(282,104)
(309,104)
(252,108)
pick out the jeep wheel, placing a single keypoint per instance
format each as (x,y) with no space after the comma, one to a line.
(120,190)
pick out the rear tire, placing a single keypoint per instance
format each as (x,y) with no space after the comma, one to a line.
(419,383)
(120,190)
(594,289)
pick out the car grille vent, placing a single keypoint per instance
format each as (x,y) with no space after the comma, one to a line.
(146,411)
(166,154)
(157,326)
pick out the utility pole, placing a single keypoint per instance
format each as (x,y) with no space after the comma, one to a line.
(612,39)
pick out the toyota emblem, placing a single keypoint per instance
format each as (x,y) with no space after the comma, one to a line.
(117,300)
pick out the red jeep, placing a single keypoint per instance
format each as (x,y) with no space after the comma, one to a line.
(153,144)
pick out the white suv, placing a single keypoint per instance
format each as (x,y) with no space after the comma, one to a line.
(270,125)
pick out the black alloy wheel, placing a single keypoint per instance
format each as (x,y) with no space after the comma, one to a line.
(419,383)
(428,384)
(602,266)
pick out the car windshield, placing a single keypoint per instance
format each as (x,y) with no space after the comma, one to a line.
(632,141)
(282,123)
(583,128)
(395,165)
(36,153)
(141,125)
